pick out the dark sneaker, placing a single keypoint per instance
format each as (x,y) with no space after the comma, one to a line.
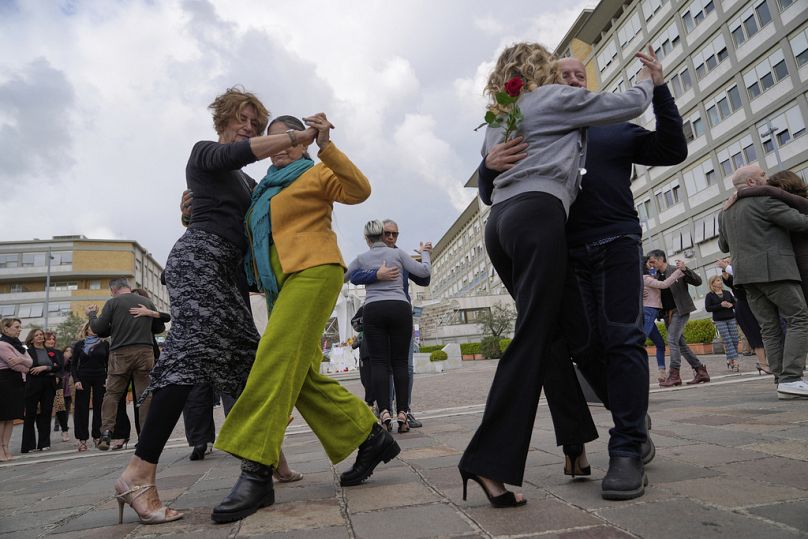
(412,422)
(625,479)
(379,447)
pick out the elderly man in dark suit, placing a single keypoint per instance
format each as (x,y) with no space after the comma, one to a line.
(756,231)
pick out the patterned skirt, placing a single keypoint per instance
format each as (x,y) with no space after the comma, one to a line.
(213,337)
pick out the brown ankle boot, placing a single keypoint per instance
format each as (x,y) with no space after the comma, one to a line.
(701,376)
(672,380)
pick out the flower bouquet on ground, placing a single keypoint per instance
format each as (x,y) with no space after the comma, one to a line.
(506,113)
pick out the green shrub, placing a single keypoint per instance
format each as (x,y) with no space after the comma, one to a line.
(489,347)
(699,331)
(470,348)
(431,348)
(438,355)
(503,344)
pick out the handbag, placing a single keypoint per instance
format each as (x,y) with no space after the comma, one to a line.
(59,401)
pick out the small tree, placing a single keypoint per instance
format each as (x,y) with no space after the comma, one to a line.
(67,331)
(495,323)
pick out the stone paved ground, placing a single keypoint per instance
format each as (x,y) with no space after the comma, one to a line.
(732,461)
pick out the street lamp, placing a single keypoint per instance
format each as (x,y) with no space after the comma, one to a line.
(47,287)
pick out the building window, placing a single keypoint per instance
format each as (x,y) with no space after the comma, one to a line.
(630,29)
(95,285)
(9,260)
(681,82)
(754,16)
(696,13)
(678,240)
(785,4)
(7,310)
(737,154)
(700,177)
(650,8)
(644,210)
(785,127)
(607,55)
(710,56)
(17,288)
(60,309)
(35,260)
(666,41)
(30,310)
(799,46)
(723,105)
(693,126)
(705,228)
(667,196)
(766,74)
(64,287)
(62,258)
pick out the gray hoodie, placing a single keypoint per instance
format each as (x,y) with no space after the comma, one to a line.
(388,290)
(556,117)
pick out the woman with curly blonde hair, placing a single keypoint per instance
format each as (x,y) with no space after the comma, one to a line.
(526,243)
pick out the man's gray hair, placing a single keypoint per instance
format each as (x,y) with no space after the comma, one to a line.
(390,222)
(119,282)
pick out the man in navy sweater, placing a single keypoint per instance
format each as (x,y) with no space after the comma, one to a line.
(602,318)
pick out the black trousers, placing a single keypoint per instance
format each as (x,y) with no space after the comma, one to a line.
(198,415)
(365,372)
(525,240)
(602,326)
(164,412)
(388,330)
(92,390)
(123,426)
(61,417)
(39,392)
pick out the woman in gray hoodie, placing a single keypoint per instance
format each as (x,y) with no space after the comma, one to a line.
(525,240)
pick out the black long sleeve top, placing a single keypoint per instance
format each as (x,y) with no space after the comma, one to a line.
(712,304)
(93,363)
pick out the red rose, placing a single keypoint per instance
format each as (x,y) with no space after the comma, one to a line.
(51,354)
(514,86)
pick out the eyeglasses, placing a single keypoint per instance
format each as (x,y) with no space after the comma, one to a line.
(390,233)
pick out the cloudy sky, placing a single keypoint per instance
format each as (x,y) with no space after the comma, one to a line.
(101,102)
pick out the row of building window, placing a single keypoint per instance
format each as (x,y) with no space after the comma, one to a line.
(35,260)
(34,310)
(65,286)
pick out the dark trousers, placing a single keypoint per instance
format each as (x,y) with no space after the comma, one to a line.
(365,371)
(525,240)
(92,388)
(39,392)
(603,326)
(388,330)
(166,407)
(198,416)
(61,417)
(123,426)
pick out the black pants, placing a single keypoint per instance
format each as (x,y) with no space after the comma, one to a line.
(61,417)
(92,388)
(39,392)
(524,237)
(166,407)
(198,416)
(365,372)
(388,330)
(123,427)
(602,318)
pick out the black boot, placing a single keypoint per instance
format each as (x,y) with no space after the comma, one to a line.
(647,448)
(379,446)
(252,491)
(104,441)
(199,452)
(625,479)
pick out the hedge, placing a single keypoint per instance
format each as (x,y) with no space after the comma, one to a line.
(470,348)
(438,355)
(503,344)
(696,331)
(430,349)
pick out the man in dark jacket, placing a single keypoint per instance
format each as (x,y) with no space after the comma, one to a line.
(602,318)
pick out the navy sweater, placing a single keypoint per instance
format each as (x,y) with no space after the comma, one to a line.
(605,205)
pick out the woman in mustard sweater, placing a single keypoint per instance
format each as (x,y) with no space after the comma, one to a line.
(294,259)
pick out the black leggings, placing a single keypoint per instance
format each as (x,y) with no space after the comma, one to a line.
(388,330)
(166,407)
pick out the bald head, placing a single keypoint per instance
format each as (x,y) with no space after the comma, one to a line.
(572,71)
(749,176)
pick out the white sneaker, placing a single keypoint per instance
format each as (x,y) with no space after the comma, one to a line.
(792,390)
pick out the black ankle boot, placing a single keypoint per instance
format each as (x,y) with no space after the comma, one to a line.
(252,491)
(379,446)
(625,479)
(104,441)
(648,450)
(199,452)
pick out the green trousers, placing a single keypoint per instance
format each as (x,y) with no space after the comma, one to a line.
(286,374)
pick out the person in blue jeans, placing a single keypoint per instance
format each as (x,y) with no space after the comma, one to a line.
(385,273)
(651,307)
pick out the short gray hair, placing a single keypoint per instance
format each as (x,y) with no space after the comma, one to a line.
(390,222)
(119,282)
(374,230)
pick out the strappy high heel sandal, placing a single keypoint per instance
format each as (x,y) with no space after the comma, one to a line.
(386,420)
(761,369)
(403,425)
(575,462)
(116,445)
(126,495)
(291,478)
(82,446)
(506,499)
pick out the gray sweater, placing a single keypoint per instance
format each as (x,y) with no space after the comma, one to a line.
(389,290)
(125,329)
(554,128)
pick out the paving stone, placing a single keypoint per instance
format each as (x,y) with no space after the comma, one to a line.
(708,454)
(370,498)
(587,494)
(537,516)
(675,519)
(734,492)
(435,520)
(194,523)
(428,453)
(774,470)
(662,470)
(794,514)
(98,519)
(794,449)
(26,521)
(291,516)
(592,532)
(714,420)
(333,532)
(107,532)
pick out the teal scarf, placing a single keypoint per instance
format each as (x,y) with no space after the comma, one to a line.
(258,224)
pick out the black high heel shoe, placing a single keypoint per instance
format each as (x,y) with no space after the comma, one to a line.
(761,369)
(506,499)
(575,462)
